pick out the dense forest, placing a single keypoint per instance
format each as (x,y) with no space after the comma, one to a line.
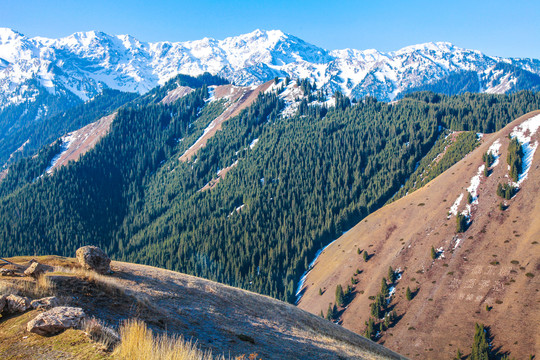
(40,122)
(295,183)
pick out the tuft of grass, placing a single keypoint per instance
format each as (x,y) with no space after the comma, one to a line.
(140,343)
(100,333)
(35,289)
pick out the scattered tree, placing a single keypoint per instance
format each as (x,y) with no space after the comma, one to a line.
(366,256)
(384,288)
(480,347)
(339,295)
(461,223)
(433,253)
(408,294)
(391,275)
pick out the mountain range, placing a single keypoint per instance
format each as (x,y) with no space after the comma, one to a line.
(85,63)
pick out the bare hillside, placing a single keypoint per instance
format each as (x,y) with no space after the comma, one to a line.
(219,318)
(488,274)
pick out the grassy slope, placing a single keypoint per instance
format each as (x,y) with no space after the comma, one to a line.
(454,291)
(222,319)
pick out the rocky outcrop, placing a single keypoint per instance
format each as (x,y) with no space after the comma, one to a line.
(17,304)
(45,303)
(56,320)
(93,258)
(7,272)
(36,269)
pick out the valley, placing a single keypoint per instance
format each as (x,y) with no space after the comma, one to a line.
(259,192)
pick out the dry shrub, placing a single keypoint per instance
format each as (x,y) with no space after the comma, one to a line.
(139,343)
(100,333)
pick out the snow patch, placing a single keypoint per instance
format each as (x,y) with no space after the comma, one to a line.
(475,182)
(524,133)
(66,143)
(494,150)
(253,143)
(453,209)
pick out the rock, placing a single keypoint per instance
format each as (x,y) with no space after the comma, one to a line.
(93,258)
(7,272)
(45,303)
(17,304)
(3,303)
(36,269)
(56,320)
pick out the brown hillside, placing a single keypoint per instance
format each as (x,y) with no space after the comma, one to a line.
(495,262)
(239,98)
(219,318)
(83,140)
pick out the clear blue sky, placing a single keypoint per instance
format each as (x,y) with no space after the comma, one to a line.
(509,28)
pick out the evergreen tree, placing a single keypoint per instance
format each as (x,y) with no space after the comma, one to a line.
(384,288)
(370,329)
(330,312)
(339,295)
(408,294)
(391,275)
(480,347)
(433,253)
(461,223)
(365,255)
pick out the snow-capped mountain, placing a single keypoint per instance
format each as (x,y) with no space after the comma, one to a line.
(85,63)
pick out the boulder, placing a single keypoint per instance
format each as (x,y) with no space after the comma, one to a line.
(56,320)
(17,304)
(7,272)
(93,258)
(36,269)
(45,303)
(3,303)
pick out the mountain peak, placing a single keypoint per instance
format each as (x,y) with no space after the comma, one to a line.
(7,34)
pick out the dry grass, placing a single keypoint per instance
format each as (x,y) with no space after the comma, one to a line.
(39,288)
(100,333)
(139,343)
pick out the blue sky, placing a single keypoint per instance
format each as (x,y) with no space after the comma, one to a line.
(496,27)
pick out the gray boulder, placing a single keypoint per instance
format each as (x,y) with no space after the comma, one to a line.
(17,304)
(45,303)
(56,320)
(36,269)
(93,258)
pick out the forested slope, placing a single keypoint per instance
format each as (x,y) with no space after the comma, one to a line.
(296,182)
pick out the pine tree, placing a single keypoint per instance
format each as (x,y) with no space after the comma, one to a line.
(365,255)
(384,288)
(391,275)
(329,312)
(480,347)
(320,291)
(339,295)
(369,329)
(469,198)
(461,223)
(375,310)
(433,253)
(408,294)
(387,321)
(458,355)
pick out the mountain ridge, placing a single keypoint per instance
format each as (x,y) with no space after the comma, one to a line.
(84,63)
